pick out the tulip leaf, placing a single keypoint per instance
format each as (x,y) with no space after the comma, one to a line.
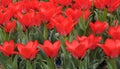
(62,44)
(111,63)
(34,64)
(2,35)
(28,64)
(81,24)
(118,14)
(5,61)
(14,63)
(102,15)
(45,66)
(22,64)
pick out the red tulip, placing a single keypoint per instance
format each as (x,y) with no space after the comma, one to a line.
(26,19)
(1,18)
(73,13)
(114,32)
(112,5)
(50,24)
(8,48)
(65,2)
(36,19)
(98,27)
(29,50)
(48,10)
(7,14)
(82,4)
(10,26)
(33,4)
(77,49)
(13,9)
(55,2)
(63,25)
(21,7)
(101,4)
(27,5)
(111,48)
(30,4)
(29,19)
(5,3)
(50,49)
(86,14)
(92,40)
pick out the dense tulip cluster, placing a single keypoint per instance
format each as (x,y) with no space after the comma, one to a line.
(30,50)
(33,13)
(79,47)
(74,27)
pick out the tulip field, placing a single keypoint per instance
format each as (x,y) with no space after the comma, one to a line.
(59,34)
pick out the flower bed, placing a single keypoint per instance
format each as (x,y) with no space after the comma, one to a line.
(67,34)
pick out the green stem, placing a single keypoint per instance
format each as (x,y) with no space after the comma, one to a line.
(105,14)
(8,61)
(79,64)
(44,32)
(28,65)
(9,35)
(51,63)
(111,63)
(27,36)
(111,16)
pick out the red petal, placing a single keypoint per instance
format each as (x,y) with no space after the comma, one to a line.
(47,43)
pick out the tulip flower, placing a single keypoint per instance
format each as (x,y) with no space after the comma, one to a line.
(63,25)
(26,19)
(86,14)
(1,18)
(5,3)
(51,50)
(101,4)
(31,4)
(82,4)
(50,24)
(73,13)
(76,48)
(10,26)
(10,12)
(114,32)
(8,48)
(29,19)
(65,2)
(112,5)
(48,10)
(82,38)
(55,2)
(98,27)
(92,40)
(111,48)
(29,50)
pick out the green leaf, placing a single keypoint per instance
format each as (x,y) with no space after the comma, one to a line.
(45,66)
(22,64)
(111,63)
(28,64)
(14,64)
